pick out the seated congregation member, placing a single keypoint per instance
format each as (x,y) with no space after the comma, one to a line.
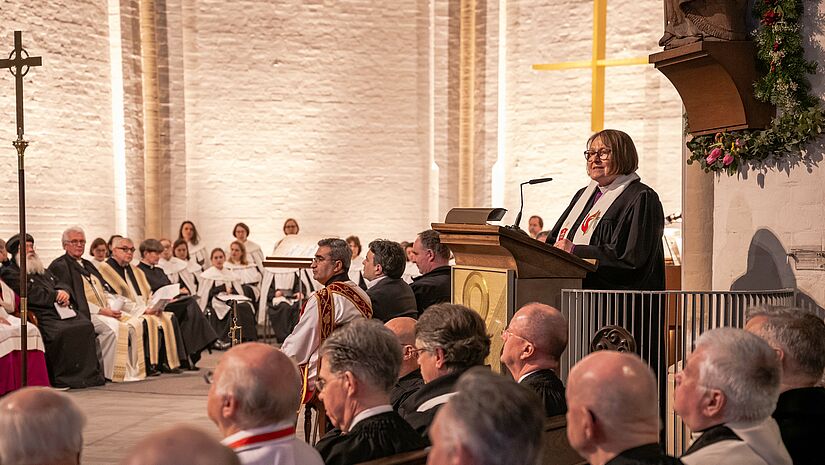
(254,394)
(254,255)
(40,426)
(613,413)
(99,251)
(356,268)
(4,255)
(110,242)
(197,249)
(178,445)
(10,363)
(244,271)
(119,335)
(489,421)
(282,301)
(449,339)
(410,268)
(535,225)
(409,377)
(359,366)
(338,302)
(71,354)
(433,261)
(533,343)
(616,219)
(162,342)
(194,328)
(290,228)
(727,392)
(176,269)
(391,297)
(180,249)
(798,336)
(218,291)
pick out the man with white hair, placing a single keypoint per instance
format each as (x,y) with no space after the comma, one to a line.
(71,355)
(489,421)
(40,426)
(613,413)
(533,343)
(798,337)
(254,394)
(359,366)
(725,394)
(180,444)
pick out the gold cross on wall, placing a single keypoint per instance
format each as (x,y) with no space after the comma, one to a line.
(597,64)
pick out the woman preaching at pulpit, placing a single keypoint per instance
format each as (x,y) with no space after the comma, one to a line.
(616,219)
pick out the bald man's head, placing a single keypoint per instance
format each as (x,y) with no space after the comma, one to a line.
(263,384)
(181,444)
(42,426)
(544,326)
(404,328)
(612,399)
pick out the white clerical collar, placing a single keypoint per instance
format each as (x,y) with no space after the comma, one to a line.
(374,281)
(247,433)
(370,412)
(521,378)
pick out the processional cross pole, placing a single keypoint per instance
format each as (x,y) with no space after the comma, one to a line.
(19,63)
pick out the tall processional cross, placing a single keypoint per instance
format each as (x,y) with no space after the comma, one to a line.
(19,63)
(597,63)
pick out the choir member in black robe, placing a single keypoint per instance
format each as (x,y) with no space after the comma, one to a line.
(71,355)
(194,328)
(616,220)
(217,291)
(283,302)
(359,365)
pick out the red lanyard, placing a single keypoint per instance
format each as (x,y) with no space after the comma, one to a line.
(262,437)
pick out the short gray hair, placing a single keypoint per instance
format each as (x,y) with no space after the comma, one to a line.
(46,431)
(150,245)
(259,402)
(338,250)
(390,255)
(745,368)
(457,330)
(368,350)
(494,419)
(799,333)
(71,229)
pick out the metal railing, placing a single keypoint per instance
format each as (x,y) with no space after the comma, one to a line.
(664,325)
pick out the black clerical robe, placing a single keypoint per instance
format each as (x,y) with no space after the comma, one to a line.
(392,298)
(627,241)
(221,326)
(372,438)
(71,355)
(800,414)
(550,389)
(648,454)
(283,316)
(194,327)
(420,408)
(406,386)
(432,288)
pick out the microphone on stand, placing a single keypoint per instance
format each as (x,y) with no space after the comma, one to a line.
(521,191)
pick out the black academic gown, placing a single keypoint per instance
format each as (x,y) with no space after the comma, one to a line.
(408,385)
(432,288)
(246,317)
(392,298)
(194,327)
(649,454)
(283,316)
(627,241)
(375,437)
(800,414)
(421,421)
(71,354)
(550,389)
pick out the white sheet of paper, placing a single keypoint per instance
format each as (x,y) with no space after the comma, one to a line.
(64,311)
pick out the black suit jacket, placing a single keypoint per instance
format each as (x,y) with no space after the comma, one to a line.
(432,288)
(391,298)
(70,273)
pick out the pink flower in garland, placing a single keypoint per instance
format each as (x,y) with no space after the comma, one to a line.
(770,17)
(728,159)
(714,155)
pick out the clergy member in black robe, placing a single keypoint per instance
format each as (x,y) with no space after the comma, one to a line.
(71,354)
(283,306)
(616,219)
(406,386)
(378,436)
(420,408)
(550,390)
(194,327)
(800,414)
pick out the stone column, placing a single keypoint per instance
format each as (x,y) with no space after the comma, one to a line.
(697,226)
(466,143)
(151,119)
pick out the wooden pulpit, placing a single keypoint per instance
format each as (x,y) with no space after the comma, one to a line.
(498,269)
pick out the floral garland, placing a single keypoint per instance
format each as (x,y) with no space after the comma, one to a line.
(780,56)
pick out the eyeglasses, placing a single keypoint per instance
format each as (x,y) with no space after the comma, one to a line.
(321,258)
(77,242)
(506,333)
(321,383)
(603,154)
(423,349)
(126,249)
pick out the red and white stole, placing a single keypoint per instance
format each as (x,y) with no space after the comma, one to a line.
(609,195)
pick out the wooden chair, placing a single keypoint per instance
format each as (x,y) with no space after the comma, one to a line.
(557,449)
(613,338)
(416,457)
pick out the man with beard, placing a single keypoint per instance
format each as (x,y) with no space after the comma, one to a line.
(194,327)
(119,334)
(71,356)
